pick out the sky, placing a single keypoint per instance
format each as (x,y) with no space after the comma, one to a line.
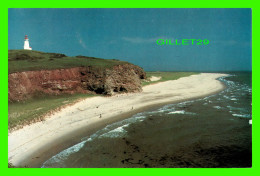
(131,35)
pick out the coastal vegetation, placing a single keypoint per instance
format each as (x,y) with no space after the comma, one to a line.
(26,60)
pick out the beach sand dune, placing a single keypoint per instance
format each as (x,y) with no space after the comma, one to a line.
(34,144)
(155,78)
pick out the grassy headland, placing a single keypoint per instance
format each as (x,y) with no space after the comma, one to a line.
(26,60)
(32,110)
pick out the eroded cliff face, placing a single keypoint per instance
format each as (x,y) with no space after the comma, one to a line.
(120,78)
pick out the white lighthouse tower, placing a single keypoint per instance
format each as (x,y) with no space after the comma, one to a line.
(26,45)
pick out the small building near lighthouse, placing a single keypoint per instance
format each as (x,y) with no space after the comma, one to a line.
(26,45)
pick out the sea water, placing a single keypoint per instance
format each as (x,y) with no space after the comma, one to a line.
(213,131)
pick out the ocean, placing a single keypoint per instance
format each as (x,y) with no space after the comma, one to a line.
(210,132)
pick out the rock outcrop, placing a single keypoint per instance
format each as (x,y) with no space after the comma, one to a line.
(119,78)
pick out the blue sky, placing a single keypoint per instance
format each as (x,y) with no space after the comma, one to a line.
(131,35)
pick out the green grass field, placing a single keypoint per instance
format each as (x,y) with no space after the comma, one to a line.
(26,60)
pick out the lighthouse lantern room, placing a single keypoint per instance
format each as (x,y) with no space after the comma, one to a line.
(26,45)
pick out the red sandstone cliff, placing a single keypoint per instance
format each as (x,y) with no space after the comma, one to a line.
(119,78)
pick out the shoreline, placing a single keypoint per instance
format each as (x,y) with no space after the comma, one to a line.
(34,144)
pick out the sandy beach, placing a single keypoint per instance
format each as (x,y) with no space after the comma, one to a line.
(34,144)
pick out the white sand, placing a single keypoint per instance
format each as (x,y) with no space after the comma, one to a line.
(23,142)
(155,78)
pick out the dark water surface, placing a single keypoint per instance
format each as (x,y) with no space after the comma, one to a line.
(209,132)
